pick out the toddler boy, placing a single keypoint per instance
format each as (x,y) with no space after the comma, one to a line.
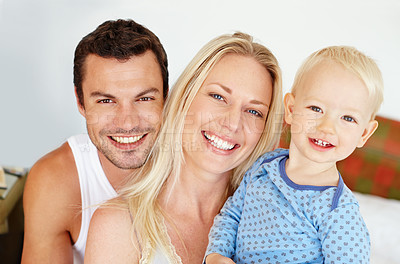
(292,205)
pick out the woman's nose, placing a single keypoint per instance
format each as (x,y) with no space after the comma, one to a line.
(231,120)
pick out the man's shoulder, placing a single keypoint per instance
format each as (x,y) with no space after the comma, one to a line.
(55,169)
(52,200)
(57,162)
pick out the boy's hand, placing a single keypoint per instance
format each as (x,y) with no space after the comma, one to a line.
(215,258)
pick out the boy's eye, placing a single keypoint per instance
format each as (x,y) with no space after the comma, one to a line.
(348,119)
(315,109)
(217,96)
(105,101)
(256,113)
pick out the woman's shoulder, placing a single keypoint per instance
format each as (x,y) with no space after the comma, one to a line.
(111,220)
(111,211)
(109,236)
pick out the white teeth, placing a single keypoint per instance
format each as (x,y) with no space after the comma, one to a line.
(321,143)
(127,140)
(219,143)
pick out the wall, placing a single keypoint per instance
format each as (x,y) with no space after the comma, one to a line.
(38,38)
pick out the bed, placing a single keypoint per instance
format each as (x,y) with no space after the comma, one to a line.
(382,217)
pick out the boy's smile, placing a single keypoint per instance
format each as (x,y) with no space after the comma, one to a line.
(321,145)
(330,114)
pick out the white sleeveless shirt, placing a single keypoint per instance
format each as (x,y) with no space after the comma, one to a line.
(96,189)
(94,185)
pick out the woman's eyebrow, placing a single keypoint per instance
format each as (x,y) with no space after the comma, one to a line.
(227,89)
(259,103)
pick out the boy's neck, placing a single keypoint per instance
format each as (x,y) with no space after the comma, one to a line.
(303,171)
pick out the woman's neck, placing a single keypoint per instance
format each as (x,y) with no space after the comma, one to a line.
(195,193)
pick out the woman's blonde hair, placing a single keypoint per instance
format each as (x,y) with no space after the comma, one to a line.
(166,158)
(353,60)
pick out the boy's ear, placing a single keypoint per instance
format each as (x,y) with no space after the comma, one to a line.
(81,108)
(289,105)
(369,130)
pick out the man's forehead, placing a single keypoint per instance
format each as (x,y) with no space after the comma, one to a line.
(148,58)
(144,68)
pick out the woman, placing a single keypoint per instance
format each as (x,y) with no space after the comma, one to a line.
(222,114)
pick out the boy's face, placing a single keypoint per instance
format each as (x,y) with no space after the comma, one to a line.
(330,115)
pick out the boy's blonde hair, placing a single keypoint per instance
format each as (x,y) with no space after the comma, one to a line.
(167,154)
(355,61)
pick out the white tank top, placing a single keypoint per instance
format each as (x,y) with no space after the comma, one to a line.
(95,187)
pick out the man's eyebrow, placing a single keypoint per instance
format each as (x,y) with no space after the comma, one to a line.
(100,94)
(147,91)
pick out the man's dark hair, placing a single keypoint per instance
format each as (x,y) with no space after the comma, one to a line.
(120,39)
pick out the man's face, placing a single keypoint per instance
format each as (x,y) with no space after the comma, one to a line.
(123,103)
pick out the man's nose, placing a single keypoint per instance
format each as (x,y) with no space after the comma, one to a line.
(126,117)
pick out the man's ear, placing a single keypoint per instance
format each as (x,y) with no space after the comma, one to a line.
(289,105)
(369,130)
(81,108)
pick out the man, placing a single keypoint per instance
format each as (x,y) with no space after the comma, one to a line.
(121,82)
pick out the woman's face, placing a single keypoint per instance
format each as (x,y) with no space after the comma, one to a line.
(227,116)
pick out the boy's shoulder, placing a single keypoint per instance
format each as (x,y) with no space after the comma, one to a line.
(347,197)
(267,158)
(272,155)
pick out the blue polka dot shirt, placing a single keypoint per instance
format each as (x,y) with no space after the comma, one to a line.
(271,219)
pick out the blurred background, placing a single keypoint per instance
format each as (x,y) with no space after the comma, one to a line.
(38,38)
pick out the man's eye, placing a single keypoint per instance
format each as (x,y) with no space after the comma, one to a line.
(217,96)
(105,101)
(145,99)
(348,119)
(256,113)
(315,109)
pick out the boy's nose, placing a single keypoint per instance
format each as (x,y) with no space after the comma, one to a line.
(326,125)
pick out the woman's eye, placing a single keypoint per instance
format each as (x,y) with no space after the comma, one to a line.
(315,109)
(256,113)
(348,119)
(217,96)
